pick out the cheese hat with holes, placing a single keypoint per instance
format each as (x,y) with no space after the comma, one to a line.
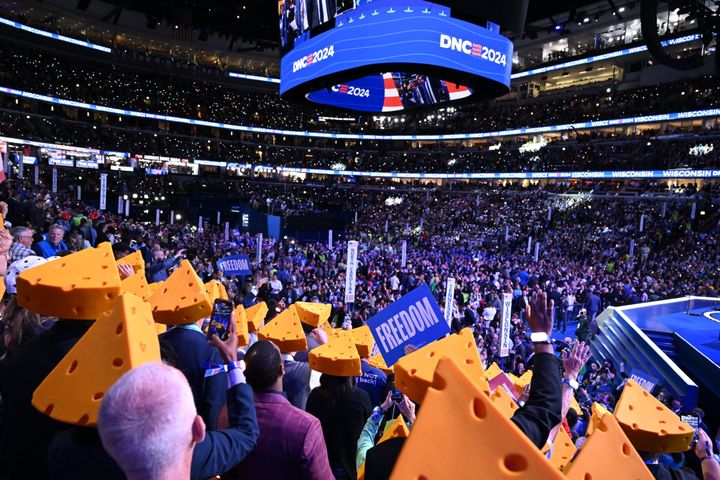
(79,286)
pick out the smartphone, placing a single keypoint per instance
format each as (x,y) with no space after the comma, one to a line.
(692,420)
(220,318)
(397,395)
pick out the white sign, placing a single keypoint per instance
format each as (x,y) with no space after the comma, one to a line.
(449,296)
(121,206)
(157,217)
(200,224)
(403,259)
(529,247)
(422,223)
(54,180)
(507,233)
(259,252)
(103,191)
(79,192)
(664,209)
(127,208)
(642,223)
(537,251)
(218,217)
(692,212)
(386,225)
(37,175)
(172,217)
(21,167)
(351,271)
(632,248)
(227,231)
(505,343)
(549,214)
(330,239)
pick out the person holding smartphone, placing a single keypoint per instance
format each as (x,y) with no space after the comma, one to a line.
(194,354)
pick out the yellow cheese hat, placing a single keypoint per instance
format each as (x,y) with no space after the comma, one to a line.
(212,290)
(378,362)
(135,260)
(137,285)
(285,331)
(223,291)
(313,314)
(80,286)
(650,425)
(414,373)
(363,340)
(395,429)
(338,357)
(181,299)
(241,326)
(256,316)
(121,339)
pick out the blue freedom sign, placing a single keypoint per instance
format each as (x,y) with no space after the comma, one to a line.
(415,319)
(235,265)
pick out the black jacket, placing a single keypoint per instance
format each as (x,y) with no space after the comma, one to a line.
(26,433)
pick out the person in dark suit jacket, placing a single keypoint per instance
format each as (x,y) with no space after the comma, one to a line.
(78,453)
(291,444)
(26,433)
(342,410)
(321,11)
(194,354)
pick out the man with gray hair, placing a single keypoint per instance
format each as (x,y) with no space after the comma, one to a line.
(22,241)
(148,423)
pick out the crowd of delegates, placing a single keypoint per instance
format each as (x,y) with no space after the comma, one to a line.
(651,150)
(109,85)
(583,266)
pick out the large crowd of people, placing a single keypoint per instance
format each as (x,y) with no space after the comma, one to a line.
(584,265)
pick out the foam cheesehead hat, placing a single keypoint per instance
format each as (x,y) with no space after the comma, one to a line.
(363,340)
(120,339)
(182,299)
(313,314)
(79,286)
(338,357)
(135,260)
(285,331)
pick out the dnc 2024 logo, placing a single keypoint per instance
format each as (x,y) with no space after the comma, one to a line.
(312,58)
(468,47)
(345,89)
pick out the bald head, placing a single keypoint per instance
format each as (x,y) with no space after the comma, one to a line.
(148,421)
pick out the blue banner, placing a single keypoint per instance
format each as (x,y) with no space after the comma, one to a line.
(366,94)
(415,319)
(643,379)
(235,265)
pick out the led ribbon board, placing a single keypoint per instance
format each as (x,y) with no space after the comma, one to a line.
(344,66)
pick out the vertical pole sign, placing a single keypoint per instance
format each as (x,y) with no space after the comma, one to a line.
(537,251)
(157,217)
(422,224)
(386,225)
(103,190)
(632,248)
(258,254)
(692,212)
(54,180)
(403,259)
(351,271)
(505,343)
(79,192)
(330,239)
(664,209)
(172,217)
(37,174)
(227,231)
(21,166)
(200,224)
(218,217)
(549,214)
(121,205)
(127,208)
(529,245)
(507,233)
(449,296)
(642,223)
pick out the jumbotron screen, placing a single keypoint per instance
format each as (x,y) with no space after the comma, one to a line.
(388,55)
